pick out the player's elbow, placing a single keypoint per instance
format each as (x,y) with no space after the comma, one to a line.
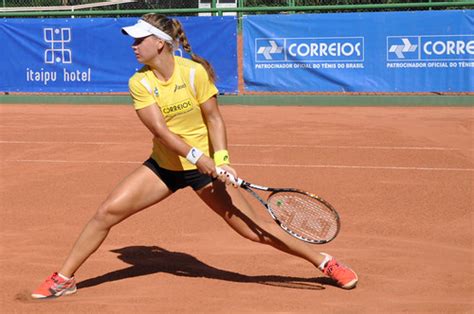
(215,121)
(162,135)
(158,131)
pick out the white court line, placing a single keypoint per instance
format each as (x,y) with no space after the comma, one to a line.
(255,165)
(59,161)
(257,145)
(352,147)
(357,167)
(72,142)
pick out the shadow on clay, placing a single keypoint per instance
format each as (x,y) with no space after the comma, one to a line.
(146,260)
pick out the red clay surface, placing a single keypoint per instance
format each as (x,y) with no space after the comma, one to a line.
(401,179)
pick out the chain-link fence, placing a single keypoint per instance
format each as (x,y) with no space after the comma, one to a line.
(104,4)
(50,8)
(256,3)
(166,4)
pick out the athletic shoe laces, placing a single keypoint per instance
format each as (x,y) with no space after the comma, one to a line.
(331,268)
(54,278)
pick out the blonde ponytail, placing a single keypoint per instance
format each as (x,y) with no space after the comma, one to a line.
(183,40)
(174,28)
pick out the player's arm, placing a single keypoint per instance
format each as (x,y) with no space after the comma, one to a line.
(217,130)
(153,119)
(215,124)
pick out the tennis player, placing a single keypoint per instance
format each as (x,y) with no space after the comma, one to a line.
(175,98)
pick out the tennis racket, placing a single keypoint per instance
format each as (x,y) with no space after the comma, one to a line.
(303,215)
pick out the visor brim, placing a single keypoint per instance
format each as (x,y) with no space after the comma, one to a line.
(135,31)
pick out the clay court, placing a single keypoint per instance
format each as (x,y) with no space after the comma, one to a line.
(401,179)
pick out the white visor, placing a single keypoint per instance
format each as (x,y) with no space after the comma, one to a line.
(144,29)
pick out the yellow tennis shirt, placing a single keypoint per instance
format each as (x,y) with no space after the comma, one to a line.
(179,101)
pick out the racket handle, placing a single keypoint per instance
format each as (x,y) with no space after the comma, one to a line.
(235,181)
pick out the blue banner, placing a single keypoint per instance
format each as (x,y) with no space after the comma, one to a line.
(421,51)
(92,55)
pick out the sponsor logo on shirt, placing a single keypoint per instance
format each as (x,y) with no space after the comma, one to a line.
(177,108)
(178,87)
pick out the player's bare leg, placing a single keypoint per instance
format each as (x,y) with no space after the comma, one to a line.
(141,189)
(229,203)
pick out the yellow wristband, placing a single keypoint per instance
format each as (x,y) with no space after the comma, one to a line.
(221,157)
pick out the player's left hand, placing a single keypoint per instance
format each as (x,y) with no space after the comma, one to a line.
(225,177)
(207,166)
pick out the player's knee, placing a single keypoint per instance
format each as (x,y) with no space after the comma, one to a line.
(252,237)
(256,235)
(260,233)
(267,235)
(105,215)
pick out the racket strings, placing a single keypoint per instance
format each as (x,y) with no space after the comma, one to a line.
(304,215)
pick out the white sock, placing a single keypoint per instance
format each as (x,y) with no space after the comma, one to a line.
(327,258)
(63,277)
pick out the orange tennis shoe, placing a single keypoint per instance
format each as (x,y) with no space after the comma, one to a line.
(345,277)
(55,286)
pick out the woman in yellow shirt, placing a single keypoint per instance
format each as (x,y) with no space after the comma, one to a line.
(175,98)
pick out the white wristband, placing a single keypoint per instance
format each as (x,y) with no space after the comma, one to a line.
(194,155)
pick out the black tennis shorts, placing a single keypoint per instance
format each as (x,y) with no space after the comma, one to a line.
(176,180)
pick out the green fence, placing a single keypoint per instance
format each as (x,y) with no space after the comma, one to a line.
(44,8)
(167,4)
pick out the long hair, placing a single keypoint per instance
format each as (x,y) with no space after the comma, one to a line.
(175,29)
